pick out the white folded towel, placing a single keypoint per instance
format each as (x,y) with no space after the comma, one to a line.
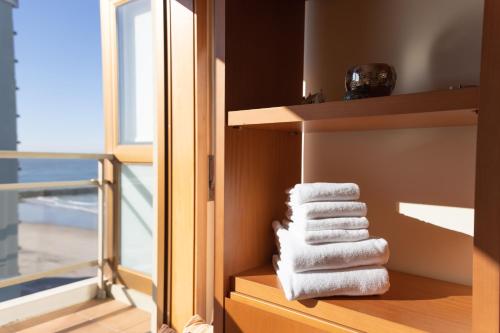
(326,209)
(305,257)
(333,223)
(310,192)
(359,281)
(325,236)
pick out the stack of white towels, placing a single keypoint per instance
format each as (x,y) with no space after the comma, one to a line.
(324,245)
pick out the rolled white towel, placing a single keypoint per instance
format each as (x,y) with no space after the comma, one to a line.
(333,223)
(358,281)
(326,236)
(327,209)
(302,257)
(311,192)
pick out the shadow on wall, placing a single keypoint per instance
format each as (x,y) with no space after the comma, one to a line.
(432,44)
(433,166)
(455,52)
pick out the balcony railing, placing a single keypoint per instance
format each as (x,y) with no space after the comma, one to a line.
(99,183)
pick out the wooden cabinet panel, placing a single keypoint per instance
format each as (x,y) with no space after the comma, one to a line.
(247,315)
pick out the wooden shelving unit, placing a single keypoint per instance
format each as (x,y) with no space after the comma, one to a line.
(258,85)
(412,304)
(429,109)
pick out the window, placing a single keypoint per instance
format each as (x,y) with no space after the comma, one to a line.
(135,54)
(136,217)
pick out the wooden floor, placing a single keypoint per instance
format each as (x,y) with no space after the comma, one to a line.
(96,316)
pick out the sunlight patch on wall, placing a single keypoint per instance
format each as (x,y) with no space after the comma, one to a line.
(452,218)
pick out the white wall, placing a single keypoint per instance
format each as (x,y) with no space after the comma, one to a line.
(433,45)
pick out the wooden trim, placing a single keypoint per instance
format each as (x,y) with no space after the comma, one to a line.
(113,131)
(107,45)
(168,134)
(101,251)
(124,153)
(109,219)
(110,71)
(107,75)
(134,280)
(220,127)
(117,217)
(30,155)
(134,154)
(160,204)
(183,162)
(203,100)
(244,316)
(117,3)
(486,259)
(291,314)
(430,101)
(428,109)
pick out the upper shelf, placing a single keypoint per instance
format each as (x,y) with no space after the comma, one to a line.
(412,304)
(429,109)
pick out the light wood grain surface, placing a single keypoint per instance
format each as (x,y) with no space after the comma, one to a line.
(259,167)
(413,304)
(256,65)
(290,315)
(160,273)
(94,316)
(182,33)
(486,261)
(428,109)
(245,318)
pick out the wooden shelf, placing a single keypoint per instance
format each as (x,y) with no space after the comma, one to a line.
(412,304)
(430,109)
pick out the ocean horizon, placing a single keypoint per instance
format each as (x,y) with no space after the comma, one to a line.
(66,207)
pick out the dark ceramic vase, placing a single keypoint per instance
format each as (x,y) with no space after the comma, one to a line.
(370,80)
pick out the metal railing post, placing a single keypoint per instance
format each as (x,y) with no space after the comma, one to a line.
(101,291)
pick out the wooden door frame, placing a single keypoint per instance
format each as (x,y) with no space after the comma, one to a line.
(190,63)
(184,61)
(162,160)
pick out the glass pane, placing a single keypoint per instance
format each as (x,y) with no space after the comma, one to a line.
(48,170)
(41,230)
(31,287)
(135,53)
(136,215)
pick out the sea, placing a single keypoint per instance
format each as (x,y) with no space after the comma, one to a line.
(74,207)
(68,207)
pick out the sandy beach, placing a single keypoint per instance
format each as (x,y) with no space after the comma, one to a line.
(44,247)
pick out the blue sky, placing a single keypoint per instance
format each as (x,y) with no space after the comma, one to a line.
(59,75)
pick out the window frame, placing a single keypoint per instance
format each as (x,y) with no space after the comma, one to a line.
(140,153)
